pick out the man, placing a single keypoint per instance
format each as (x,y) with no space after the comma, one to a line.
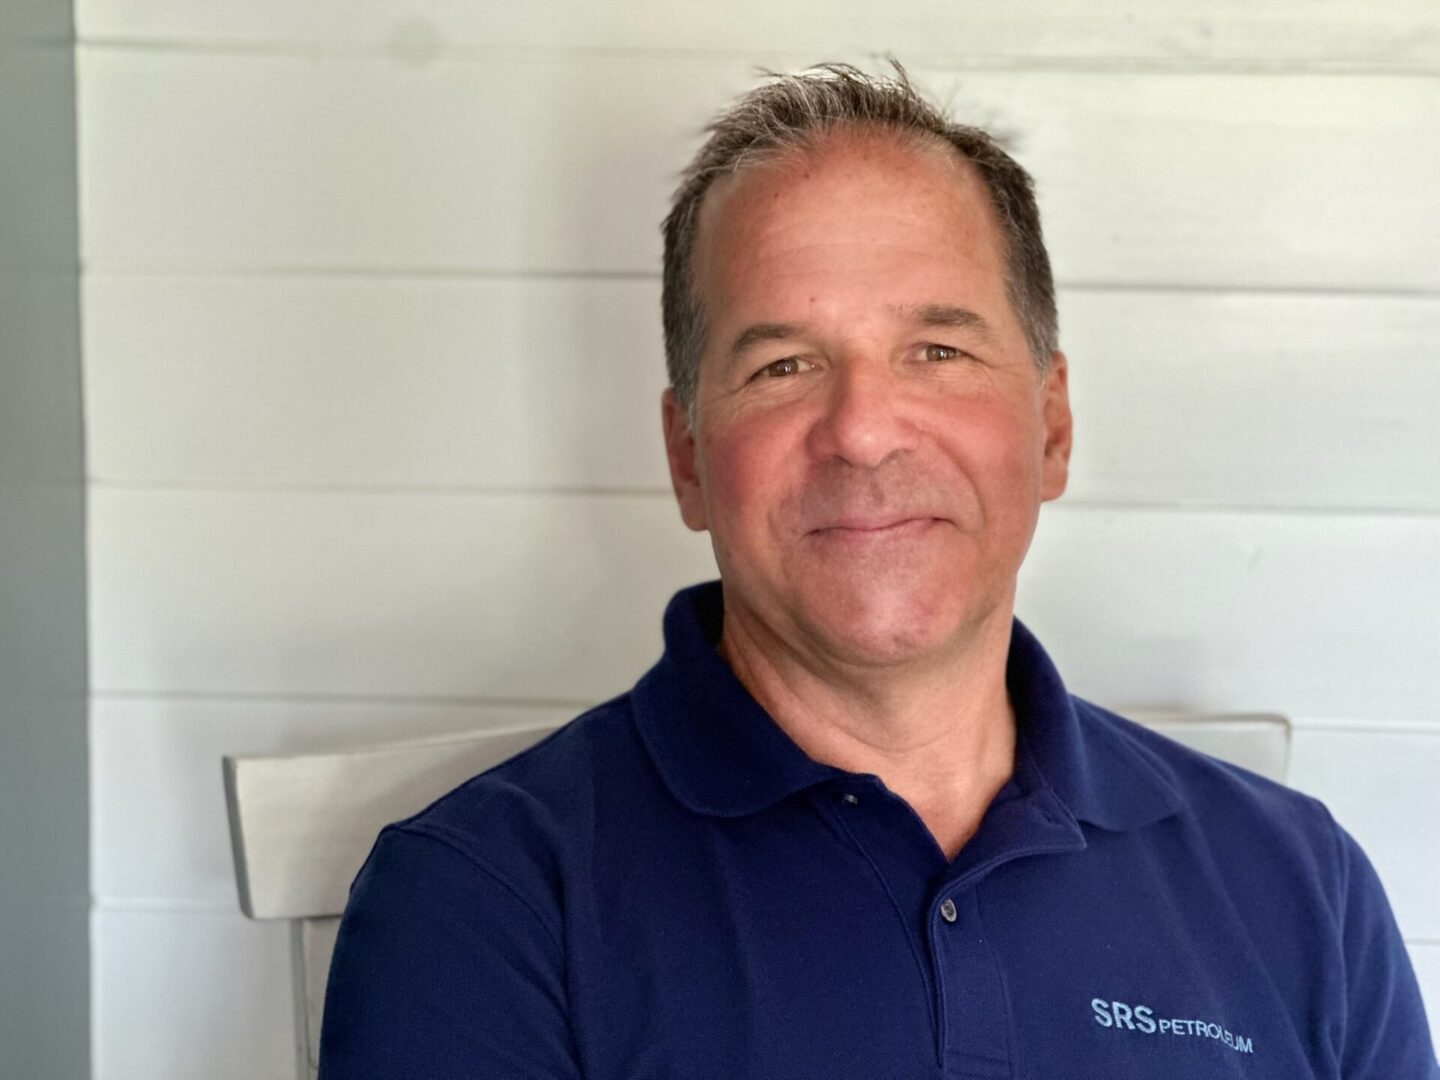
(851,824)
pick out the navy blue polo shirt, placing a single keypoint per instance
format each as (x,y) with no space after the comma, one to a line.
(668,887)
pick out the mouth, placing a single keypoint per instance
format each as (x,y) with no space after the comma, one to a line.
(866,529)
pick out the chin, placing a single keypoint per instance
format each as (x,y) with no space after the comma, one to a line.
(879,627)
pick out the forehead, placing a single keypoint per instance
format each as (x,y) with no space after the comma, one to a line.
(851,194)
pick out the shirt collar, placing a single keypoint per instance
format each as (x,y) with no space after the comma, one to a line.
(718,750)
(721,754)
(1099,772)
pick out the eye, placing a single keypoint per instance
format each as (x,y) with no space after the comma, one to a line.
(939,353)
(779,369)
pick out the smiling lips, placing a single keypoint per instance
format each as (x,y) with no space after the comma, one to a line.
(873,528)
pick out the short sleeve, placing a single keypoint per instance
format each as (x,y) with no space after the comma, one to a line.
(442,970)
(1386,1035)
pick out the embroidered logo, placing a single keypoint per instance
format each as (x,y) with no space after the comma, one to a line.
(1142,1018)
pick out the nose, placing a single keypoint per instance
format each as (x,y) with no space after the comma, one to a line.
(864,418)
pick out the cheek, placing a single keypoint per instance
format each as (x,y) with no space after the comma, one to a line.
(1013,448)
(745,475)
(1019,427)
(728,475)
(998,449)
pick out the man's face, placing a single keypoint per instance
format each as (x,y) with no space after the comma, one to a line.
(872,437)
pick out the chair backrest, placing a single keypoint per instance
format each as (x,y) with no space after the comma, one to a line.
(300,826)
(1259,742)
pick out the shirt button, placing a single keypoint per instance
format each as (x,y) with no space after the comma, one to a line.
(851,799)
(947,910)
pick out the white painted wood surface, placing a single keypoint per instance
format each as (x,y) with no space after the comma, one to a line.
(1226,398)
(1339,33)
(417,594)
(419,468)
(270,161)
(545,596)
(165,999)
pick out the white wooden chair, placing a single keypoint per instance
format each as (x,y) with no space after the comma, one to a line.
(300,826)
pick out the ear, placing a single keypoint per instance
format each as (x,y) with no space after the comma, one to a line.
(1059,428)
(680,452)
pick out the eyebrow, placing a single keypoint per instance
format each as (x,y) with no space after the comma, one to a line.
(762,332)
(950,315)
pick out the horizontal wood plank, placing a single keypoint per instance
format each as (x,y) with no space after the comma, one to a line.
(1254,400)
(1243,400)
(498,383)
(545,597)
(1391,32)
(180,995)
(1220,611)
(565,165)
(490,596)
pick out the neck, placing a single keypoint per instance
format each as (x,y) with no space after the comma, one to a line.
(941,736)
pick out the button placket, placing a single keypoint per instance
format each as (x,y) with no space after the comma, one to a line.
(975,1015)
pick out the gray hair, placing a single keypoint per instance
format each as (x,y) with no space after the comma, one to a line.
(793,112)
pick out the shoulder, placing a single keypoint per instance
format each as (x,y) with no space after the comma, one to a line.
(551,776)
(1304,889)
(1226,802)
(527,820)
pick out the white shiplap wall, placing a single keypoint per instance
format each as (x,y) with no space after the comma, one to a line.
(372,366)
